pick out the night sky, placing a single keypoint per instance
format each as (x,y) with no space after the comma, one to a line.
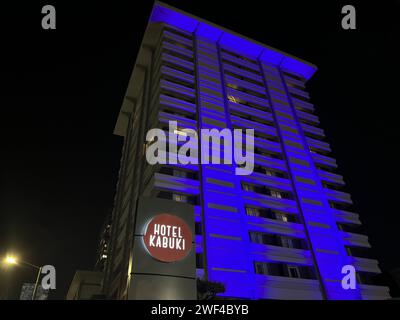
(62,89)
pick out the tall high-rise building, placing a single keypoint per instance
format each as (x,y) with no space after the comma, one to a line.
(104,243)
(283,232)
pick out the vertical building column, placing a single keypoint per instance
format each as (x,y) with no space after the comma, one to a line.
(320,225)
(225,231)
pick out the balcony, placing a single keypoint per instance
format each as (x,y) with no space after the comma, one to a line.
(268,181)
(317,144)
(364,264)
(267,253)
(177,88)
(245,84)
(165,117)
(303,105)
(179,50)
(249,124)
(177,38)
(284,288)
(331,177)
(270,162)
(308,117)
(261,224)
(179,75)
(370,292)
(313,130)
(246,110)
(241,62)
(242,72)
(299,92)
(354,239)
(165,57)
(346,216)
(177,104)
(247,97)
(324,160)
(338,196)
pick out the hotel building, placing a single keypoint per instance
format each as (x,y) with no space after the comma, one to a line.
(283,232)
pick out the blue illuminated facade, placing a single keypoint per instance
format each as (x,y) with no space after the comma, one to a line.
(283,232)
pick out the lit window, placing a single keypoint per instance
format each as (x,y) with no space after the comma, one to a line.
(104,256)
(180,132)
(276,194)
(232,99)
(233,86)
(282,217)
(252,212)
(179,197)
(268,172)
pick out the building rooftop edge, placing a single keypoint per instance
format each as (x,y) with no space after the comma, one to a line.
(163,12)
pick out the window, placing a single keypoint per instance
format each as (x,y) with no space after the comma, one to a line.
(293,271)
(245,90)
(340,206)
(172,171)
(270,172)
(286,242)
(252,211)
(266,191)
(248,187)
(332,186)
(325,168)
(284,270)
(276,194)
(232,98)
(350,227)
(179,173)
(277,240)
(233,86)
(281,216)
(358,252)
(179,197)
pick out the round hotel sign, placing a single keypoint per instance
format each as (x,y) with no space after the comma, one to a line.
(168,238)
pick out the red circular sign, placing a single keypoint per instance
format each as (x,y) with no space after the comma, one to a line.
(168,238)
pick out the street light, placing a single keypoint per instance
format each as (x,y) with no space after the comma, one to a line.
(10,260)
(13,260)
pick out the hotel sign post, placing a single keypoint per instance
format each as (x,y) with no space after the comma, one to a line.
(163,258)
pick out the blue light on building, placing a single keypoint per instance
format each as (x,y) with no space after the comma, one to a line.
(283,232)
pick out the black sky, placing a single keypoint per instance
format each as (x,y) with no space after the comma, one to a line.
(61,92)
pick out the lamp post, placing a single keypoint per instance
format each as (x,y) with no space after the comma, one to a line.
(12,260)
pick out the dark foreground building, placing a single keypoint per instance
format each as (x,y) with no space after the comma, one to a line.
(283,232)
